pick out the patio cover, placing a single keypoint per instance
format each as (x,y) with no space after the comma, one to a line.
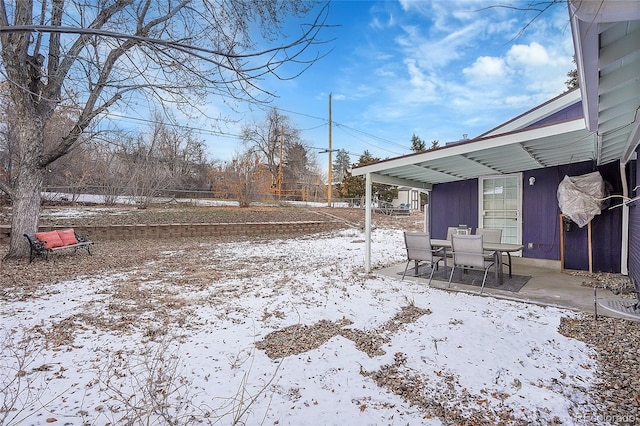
(607,43)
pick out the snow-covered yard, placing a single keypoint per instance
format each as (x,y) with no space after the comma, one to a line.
(199,336)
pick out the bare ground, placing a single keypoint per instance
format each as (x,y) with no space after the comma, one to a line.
(122,256)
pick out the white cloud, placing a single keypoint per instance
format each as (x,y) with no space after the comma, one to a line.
(486,67)
(502,27)
(375,23)
(385,72)
(433,52)
(533,54)
(422,87)
(520,101)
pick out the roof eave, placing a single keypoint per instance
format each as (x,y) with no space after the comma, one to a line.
(585,40)
(471,146)
(585,17)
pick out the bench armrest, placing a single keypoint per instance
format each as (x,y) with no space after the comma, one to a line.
(82,238)
(35,243)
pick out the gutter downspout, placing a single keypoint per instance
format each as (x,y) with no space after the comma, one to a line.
(624,250)
(367,223)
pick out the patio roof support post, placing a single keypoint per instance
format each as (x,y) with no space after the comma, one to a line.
(367,223)
(624,250)
(425,226)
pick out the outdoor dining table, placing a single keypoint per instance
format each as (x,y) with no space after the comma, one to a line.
(498,248)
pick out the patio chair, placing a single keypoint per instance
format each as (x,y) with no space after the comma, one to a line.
(494,236)
(468,253)
(418,246)
(490,235)
(459,230)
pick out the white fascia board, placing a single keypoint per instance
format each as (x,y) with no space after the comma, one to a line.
(472,146)
(586,44)
(561,102)
(390,180)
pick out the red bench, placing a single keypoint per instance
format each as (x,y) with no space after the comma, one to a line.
(43,243)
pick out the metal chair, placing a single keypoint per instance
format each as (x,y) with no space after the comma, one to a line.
(494,236)
(490,235)
(459,230)
(418,246)
(468,253)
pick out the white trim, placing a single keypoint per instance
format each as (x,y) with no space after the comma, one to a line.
(390,180)
(545,110)
(367,223)
(586,44)
(519,221)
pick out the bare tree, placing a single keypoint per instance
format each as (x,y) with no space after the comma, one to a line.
(267,137)
(110,170)
(245,178)
(119,52)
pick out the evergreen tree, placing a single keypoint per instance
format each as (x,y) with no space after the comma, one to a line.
(354,186)
(417,144)
(341,165)
(572,77)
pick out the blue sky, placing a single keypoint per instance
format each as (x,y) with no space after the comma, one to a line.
(438,69)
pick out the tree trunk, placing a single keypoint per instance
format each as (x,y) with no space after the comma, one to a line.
(26,195)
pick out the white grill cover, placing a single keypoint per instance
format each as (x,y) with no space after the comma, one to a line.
(581,197)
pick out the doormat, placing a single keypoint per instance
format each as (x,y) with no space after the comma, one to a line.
(471,277)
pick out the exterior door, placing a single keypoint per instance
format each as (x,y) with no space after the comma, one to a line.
(501,206)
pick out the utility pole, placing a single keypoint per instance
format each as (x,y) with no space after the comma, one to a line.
(330,186)
(280,165)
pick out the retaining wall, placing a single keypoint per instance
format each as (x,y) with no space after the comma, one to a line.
(189,230)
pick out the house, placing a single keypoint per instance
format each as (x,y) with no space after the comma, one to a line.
(509,176)
(408,196)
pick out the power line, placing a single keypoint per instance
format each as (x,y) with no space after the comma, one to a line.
(372,136)
(341,126)
(337,124)
(180,126)
(369,143)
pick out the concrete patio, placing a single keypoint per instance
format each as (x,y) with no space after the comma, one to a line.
(548,286)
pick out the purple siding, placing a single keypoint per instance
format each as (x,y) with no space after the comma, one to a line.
(453,203)
(606,228)
(634,224)
(571,112)
(540,222)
